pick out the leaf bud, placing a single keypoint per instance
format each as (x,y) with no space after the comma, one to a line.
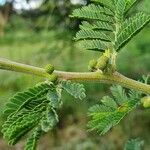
(53,78)
(146,101)
(92,65)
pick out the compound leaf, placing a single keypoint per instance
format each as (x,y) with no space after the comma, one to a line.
(107,114)
(32,111)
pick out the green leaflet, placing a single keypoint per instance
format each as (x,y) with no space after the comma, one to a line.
(134,144)
(75,89)
(109,113)
(130,28)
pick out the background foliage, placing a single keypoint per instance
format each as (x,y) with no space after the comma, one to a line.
(44,35)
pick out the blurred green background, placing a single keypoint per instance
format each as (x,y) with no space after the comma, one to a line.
(38,32)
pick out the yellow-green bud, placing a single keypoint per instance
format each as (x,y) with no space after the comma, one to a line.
(53,78)
(146,101)
(49,68)
(102,62)
(92,64)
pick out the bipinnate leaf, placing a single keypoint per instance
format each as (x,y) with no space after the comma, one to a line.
(34,112)
(105,24)
(109,113)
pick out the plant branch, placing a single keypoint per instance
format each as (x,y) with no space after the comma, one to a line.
(115,78)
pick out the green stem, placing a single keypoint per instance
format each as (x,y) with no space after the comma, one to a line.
(115,78)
